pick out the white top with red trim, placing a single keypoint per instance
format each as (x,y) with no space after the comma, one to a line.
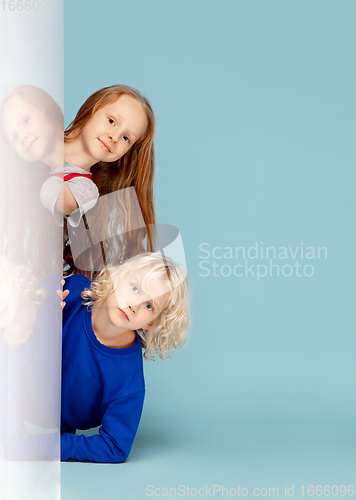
(81,185)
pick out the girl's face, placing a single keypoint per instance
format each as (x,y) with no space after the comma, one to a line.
(114,128)
(28,130)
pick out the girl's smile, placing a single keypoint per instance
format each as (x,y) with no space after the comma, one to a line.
(32,142)
(104,145)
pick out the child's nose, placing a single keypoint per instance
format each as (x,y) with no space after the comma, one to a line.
(23,136)
(112,136)
(132,309)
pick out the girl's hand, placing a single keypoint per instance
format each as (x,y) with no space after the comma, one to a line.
(62,294)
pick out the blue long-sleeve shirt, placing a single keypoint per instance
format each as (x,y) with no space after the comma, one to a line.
(100,386)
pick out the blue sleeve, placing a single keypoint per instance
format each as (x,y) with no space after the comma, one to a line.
(18,444)
(116,435)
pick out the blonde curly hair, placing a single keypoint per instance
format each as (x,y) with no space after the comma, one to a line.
(171,330)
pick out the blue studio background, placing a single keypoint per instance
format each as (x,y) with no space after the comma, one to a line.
(255,109)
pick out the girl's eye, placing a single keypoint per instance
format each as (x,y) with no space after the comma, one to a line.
(26,120)
(14,139)
(149,306)
(135,288)
(126,139)
(111,121)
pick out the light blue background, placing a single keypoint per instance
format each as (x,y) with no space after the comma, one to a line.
(255,109)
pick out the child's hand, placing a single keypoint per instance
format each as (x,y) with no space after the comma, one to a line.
(62,294)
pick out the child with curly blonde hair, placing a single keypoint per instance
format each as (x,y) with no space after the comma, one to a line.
(143,303)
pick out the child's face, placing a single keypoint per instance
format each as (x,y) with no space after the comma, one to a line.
(132,308)
(28,130)
(113,129)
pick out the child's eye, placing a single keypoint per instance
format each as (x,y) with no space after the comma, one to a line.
(126,139)
(26,120)
(111,121)
(135,288)
(149,306)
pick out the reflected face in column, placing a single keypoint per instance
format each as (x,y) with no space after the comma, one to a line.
(28,130)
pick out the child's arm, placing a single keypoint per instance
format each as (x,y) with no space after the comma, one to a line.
(66,203)
(65,197)
(116,435)
(79,193)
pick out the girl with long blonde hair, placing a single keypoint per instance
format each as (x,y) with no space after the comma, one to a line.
(111,139)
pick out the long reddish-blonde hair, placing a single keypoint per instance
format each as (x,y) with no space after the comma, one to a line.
(135,168)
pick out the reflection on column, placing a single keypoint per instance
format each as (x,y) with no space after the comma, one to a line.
(31,139)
